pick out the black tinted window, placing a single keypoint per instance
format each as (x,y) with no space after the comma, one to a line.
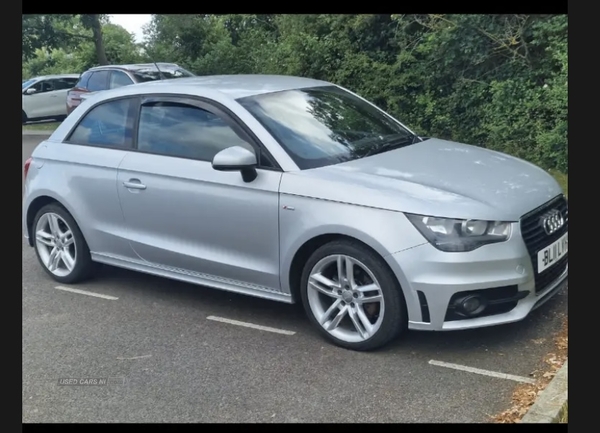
(119,79)
(143,75)
(43,86)
(27,83)
(37,86)
(325,125)
(185,131)
(64,83)
(83,80)
(107,124)
(98,81)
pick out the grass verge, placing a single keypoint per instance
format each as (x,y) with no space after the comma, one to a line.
(562,179)
(45,126)
(564,416)
(525,395)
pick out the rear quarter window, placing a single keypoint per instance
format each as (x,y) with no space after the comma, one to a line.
(71,82)
(83,80)
(108,124)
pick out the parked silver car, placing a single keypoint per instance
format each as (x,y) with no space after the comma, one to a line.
(295,189)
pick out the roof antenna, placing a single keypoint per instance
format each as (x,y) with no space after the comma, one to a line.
(162,77)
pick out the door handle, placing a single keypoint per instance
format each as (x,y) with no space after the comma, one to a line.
(134,184)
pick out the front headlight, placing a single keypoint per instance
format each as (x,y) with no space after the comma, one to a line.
(454,235)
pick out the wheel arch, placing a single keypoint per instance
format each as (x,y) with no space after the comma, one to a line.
(35,206)
(304,251)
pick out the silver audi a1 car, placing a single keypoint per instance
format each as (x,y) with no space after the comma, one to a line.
(296,190)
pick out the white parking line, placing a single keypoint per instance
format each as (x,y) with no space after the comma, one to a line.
(134,357)
(250,325)
(83,292)
(482,372)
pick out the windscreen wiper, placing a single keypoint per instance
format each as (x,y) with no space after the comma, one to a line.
(394,144)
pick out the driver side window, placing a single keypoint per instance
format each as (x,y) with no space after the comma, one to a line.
(185,131)
(43,86)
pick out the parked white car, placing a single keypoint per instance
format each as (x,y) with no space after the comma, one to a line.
(44,98)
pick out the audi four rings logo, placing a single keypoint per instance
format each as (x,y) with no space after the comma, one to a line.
(552,221)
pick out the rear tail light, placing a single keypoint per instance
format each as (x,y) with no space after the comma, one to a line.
(74,96)
(26,167)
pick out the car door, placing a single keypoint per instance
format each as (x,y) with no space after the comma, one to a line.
(96,146)
(51,99)
(39,103)
(184,215)
(57,96)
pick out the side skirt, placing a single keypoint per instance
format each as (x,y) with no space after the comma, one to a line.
(207,280)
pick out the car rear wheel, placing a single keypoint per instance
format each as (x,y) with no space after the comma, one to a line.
(352,296)
(60,246)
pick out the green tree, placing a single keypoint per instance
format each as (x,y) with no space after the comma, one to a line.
(119,46)
(62,31)
(498,81)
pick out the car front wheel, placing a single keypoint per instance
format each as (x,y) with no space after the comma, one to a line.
(352,297)
(60,245)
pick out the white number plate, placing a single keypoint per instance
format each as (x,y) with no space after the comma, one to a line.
(553,253)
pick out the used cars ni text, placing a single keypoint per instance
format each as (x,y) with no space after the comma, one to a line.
(297,190)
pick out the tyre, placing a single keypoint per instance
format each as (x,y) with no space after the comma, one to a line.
(59,245)
(24,117)
(352,297)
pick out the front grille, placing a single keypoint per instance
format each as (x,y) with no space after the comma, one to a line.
(536,238)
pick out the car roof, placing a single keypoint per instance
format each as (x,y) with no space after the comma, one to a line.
(233,86)
(49,77)
(135,67)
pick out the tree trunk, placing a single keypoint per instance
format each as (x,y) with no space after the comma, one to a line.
(98,41)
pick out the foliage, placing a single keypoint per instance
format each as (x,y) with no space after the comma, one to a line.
(60,31)
(495,80)
(498,81)
(564,416)
(45,31)
(119,46)
(562,179)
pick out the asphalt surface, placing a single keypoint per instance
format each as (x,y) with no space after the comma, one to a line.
(168,363)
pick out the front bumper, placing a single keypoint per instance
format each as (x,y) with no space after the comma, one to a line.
(439,276)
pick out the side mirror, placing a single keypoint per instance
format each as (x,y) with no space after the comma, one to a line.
(236,158)
(30,91)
